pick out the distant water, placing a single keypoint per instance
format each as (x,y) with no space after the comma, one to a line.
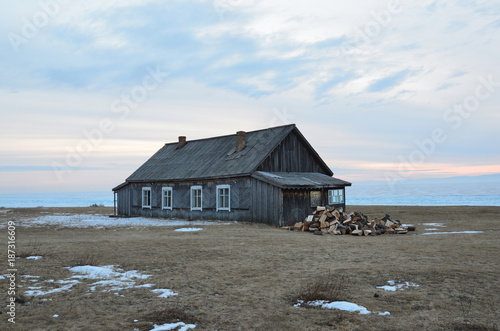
(66,199)
(406,193)
(424,194)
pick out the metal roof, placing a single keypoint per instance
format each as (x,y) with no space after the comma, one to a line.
(213,157)
(300,179)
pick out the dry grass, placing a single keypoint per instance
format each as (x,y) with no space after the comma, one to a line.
(243,276)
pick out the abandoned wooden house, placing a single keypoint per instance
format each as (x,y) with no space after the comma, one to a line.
(271,176)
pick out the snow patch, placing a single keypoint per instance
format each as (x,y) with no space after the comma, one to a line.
(392,286)
(110,279)
(104,221)
(188,229)
(340,305)
(452,232)
(173,326)
(439,225)
(38,292)
(164,293)
(55,316)
(37,257)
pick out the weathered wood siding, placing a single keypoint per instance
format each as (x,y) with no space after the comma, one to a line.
(267,203)
(291,155)
(130,200)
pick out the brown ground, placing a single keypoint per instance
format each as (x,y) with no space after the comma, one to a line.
(248,276)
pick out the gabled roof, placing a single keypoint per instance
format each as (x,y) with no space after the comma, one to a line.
(297,180)
(216,157)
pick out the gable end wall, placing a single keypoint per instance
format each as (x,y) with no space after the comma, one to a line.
(291,155)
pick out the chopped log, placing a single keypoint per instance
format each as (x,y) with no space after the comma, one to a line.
(411,228)
(357,232)
(306,225)
(336,214)
(389,230)
(322,219)
(317,232)
(309,218)
(367,232)
(332,229)
(319,208)
(299,225)
(332,208)
(329,215)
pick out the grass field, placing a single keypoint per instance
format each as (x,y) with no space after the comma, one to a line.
(249,276)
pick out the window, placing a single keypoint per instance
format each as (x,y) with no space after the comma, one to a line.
(146,197)
(196,198)
(166,198)
(315,198)
(335,196)
(223,197)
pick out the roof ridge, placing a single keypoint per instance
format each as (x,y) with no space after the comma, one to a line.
(233,134)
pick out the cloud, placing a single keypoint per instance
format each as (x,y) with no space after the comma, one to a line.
(354,78)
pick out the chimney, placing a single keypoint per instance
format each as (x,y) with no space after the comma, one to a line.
(240,140)
(182,142)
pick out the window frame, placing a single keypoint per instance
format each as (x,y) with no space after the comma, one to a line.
(144,190)
(193,189)
(332,197)
(164,190)
(223,187)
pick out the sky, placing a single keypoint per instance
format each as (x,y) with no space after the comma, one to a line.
(383,90)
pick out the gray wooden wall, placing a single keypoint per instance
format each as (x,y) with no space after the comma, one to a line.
(291,156)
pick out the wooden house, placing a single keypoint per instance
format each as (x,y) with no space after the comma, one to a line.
(271,176)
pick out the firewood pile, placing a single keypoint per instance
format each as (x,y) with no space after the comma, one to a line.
(328,220)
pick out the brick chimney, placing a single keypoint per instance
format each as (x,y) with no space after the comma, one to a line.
(240,140)
(182,142)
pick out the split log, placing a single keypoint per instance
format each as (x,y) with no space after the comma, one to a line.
(357,232)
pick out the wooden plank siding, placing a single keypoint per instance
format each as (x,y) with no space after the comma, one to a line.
(291,155)
(130,198)
(267,203)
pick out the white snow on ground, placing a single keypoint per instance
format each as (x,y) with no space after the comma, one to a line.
(104,221)
(188,229)
(173,326)
(33,257)
(5,211)
(110,279)
(341,305)
(431,229)
(452,232)
(36,291)
(439,225)
(164,293)
(55,316)
(394,287)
